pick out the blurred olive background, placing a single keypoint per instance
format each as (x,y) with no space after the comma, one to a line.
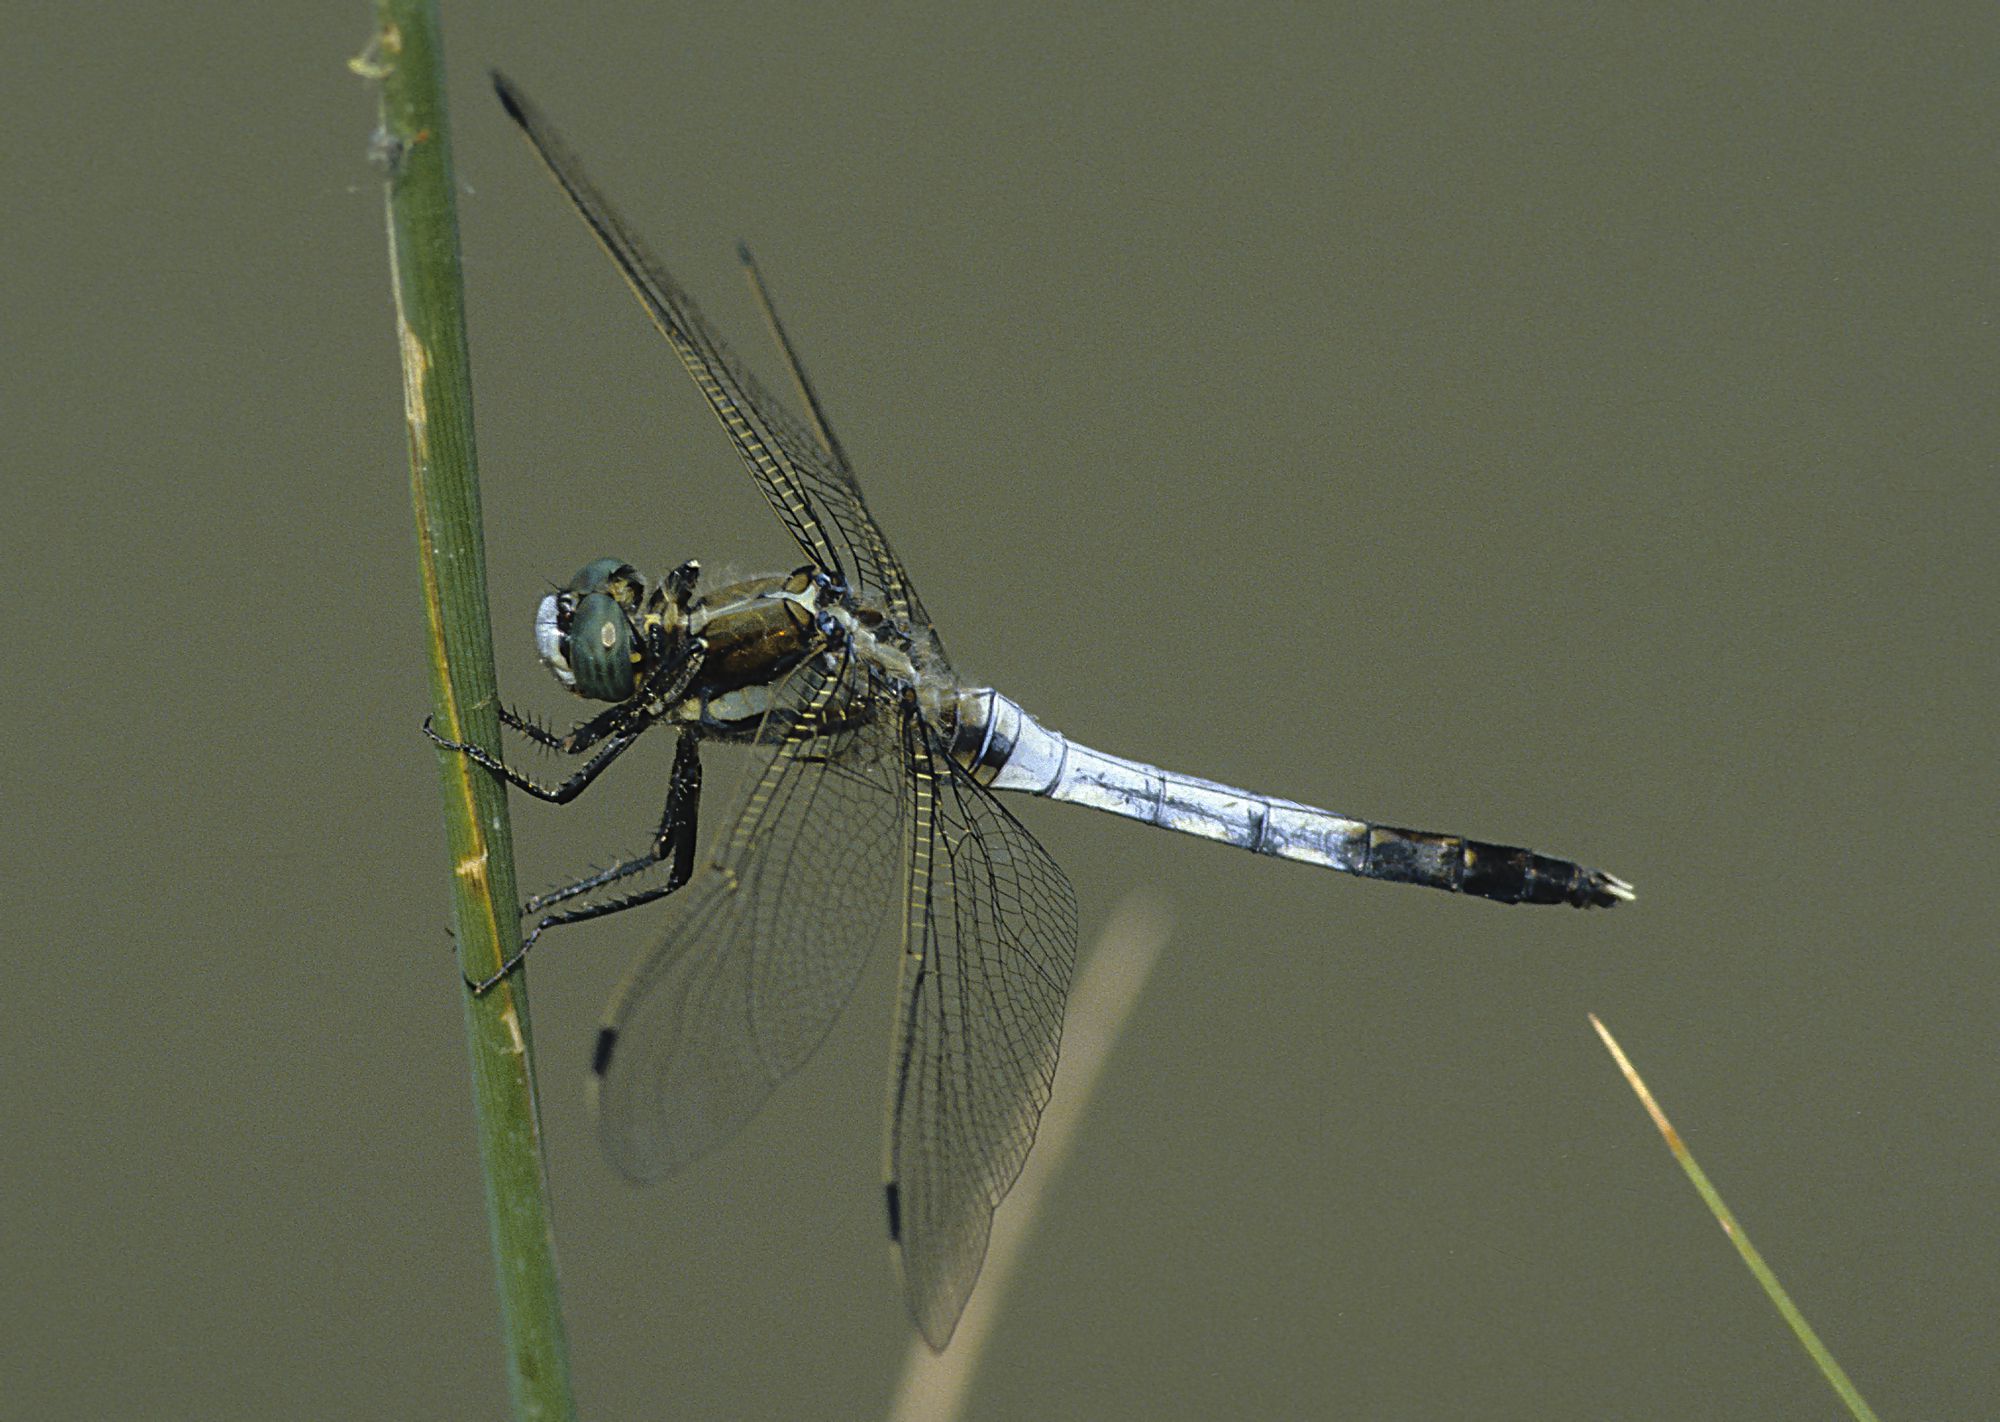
(1562,426)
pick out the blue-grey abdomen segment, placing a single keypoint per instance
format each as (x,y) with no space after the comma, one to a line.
(1007,748)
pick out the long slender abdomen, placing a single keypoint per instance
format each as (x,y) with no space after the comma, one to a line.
(1008,749)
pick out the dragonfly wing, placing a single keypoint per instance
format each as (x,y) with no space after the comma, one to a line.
(810,488)
(773,935)
(989,946)
(898,594)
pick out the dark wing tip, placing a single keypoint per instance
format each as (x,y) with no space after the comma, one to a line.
(510,97)
(600,1059)
(894,1198)
(743,253)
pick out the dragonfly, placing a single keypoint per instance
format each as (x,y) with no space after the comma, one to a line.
(872,813)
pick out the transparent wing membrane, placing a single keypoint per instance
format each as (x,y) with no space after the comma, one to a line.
(987,959)
(771,936)
(810,488)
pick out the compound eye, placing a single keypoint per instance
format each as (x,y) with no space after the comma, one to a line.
(598,648)
(609,575)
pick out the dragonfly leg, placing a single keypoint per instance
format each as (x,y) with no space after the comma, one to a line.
(675,839)
(676,671)
(616,728)
(530,729)
(679,584)
(581,737)
(675,835)
(618,743)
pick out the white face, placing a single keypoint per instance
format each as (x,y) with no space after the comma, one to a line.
(548,641)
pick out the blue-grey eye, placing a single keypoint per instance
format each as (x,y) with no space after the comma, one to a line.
(598,648)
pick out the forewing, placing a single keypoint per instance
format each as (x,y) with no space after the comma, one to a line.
(990,944)
(811,489)
(772,937)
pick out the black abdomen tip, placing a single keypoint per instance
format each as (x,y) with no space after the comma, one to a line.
(1510,875)
(1605,890)
(895,1201)
(607,1040)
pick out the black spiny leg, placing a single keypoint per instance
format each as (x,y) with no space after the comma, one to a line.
(581,737)
(679,584)
(617,727)
(634,723)
(676,837)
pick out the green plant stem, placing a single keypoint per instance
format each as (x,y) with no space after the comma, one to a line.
(413,147)
(1835,1375)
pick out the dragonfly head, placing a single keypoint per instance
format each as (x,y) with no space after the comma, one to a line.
(588,632)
